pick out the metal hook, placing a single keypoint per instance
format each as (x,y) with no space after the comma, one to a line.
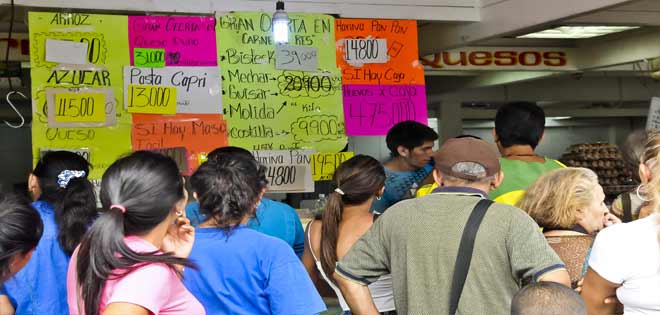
(15,109)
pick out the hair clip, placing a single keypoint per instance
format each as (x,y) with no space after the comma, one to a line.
(339,191)
(65,177)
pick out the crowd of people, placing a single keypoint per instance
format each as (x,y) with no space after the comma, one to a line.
(463,230)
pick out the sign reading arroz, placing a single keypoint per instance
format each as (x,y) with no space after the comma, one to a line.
(199,89)
(502,58)
(287,170)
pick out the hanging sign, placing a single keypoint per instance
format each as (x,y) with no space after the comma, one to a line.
(271,109)
(325,164)
(198,133)
(287,170)
(383,82)
(186,41)
(198,89)
(106,38)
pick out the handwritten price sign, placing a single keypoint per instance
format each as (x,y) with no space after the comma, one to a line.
(301,58)
(149,57)
(148,99)
(324,165)
(365,50)
(74,107)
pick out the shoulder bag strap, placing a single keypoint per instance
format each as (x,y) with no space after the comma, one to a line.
(465,252)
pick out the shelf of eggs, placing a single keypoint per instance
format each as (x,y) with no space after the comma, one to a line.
(605,160)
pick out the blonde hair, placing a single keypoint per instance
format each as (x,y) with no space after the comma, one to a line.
(650,159)
(558,198)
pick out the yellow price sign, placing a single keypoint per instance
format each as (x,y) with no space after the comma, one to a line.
(325,164)
(148,99)
(80,107)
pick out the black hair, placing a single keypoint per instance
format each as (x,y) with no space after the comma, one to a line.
(228,151)
(228,188)
(20,230)
(409,134)
(547,298)
(360,178)
(74,201)
(519,123)
(148,185)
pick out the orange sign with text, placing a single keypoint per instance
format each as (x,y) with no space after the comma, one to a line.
(378,52)
(198,133)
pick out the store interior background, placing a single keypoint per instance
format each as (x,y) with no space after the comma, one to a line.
(605,99)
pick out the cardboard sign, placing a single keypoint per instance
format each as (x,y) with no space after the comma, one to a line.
(271,109)
(402,66)
(107,53)
(179,155)
(198,133)
(325,164)
(149,57)
(198,89)
(287,170)
(358,51)
(64,51)
(373,109)
(301,58)
(80,107)
(149,99)
(188,41)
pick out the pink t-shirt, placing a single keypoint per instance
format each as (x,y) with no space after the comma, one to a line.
(154,286)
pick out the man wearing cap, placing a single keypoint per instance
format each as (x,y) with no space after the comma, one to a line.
(417,241)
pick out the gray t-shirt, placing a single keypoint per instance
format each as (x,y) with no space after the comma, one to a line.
(417,242)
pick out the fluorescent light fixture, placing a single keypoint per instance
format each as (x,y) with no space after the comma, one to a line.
(578,32)
(561,118)
(280,24)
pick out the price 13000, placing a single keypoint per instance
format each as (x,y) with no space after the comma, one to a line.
(152,96)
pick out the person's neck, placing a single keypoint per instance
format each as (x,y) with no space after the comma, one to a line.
(354,211)
(400,164)
(520,152)
(156,235)
(212,223)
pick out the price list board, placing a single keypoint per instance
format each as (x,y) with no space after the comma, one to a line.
(72,100)
(383,81)
(280,98)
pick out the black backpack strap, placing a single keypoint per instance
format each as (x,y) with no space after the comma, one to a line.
(465,252)
(626,204)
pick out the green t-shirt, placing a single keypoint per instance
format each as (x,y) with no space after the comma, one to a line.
(417,240)
(518,175)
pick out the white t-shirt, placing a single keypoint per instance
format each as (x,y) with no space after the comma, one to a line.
(629,254)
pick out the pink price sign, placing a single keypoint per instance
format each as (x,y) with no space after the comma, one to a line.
(371,110)
(188,41)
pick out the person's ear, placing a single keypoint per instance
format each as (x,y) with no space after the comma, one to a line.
(497,180)
(495,137)
(437,177)
(645,174)
(33,186)
(403,151)
(195,195)
(542,136)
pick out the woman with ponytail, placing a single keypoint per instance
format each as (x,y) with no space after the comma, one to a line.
(360,180)
(131,259)
(625,258)
(66,203)
(242,271)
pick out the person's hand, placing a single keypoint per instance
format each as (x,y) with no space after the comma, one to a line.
(180,238)
(610,300)
(610,219)
(578,289)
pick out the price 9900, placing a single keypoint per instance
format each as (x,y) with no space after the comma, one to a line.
(317,128)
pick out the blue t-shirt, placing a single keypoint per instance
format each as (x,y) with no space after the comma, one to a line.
(249,273)
(398,185)
(273,218)
(40,287)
